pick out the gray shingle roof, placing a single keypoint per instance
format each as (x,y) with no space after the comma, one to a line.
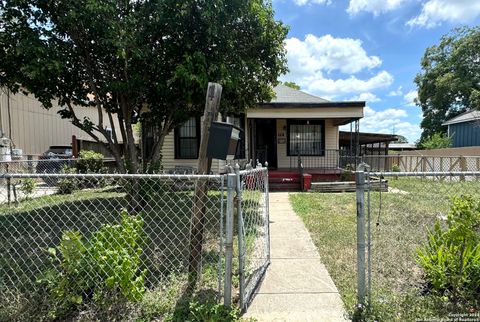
(469,116)
(285,94)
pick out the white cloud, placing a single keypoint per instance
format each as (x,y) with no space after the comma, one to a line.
(368,97)
(347,86)
(434,12)
(306,2)
(388,121)
(374,6)
(312,60)
(410,97)
(397,92)
(328,53)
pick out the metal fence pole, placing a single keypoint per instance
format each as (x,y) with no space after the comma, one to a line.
(227,295)
(360,183)
(241,246)
(267,202)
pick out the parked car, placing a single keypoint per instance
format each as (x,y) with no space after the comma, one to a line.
(53,161)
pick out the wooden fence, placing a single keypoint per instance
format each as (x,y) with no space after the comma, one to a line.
(422,163)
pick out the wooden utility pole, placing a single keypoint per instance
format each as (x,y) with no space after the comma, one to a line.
(212,104)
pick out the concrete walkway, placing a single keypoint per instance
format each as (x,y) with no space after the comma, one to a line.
(297,286)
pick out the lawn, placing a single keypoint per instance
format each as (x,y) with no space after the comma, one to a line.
(399,223)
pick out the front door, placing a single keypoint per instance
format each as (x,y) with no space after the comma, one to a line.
(266,141)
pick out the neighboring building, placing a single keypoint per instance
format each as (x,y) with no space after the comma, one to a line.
(33,128)
(465,129)
(402,147)
(293,124)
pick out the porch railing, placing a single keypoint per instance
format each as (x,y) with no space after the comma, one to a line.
(328,159)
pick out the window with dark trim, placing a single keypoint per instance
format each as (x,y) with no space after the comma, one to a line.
(306,137)
(187,139)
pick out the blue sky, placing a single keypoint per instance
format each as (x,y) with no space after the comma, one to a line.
(368,50)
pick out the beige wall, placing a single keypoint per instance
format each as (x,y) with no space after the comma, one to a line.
(331,143)
(34,128)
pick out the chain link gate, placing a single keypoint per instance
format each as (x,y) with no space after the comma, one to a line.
(247,192)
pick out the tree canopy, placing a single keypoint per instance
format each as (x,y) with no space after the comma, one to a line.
(140,61)
(436,141)
(449,82)
(292,85)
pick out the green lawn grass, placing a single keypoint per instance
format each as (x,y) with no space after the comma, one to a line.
(400,220)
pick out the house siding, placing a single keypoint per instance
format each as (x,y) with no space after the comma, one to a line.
(465,134)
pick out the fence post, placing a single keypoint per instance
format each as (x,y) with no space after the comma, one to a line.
(267,205)
(241,246)
(360,196)
(227,295)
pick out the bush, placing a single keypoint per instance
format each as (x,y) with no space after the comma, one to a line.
(27,186)
(395,168)
(437,141)
(103,270)
(89,162)
(451,257)
(67,186)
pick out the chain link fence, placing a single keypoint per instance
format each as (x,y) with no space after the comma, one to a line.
(401,209)
(101,246)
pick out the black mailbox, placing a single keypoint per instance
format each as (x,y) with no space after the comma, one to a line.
(223,141)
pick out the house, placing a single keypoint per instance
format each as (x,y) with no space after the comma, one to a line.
(464,129)
(294,126)
(32,128)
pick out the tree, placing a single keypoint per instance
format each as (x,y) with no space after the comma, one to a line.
(140,61)
(436,141)
(401,139)
(292,85)
(449,82)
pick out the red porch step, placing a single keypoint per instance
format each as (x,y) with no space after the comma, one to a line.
(281,180)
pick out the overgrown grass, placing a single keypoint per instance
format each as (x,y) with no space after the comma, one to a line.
(399,223)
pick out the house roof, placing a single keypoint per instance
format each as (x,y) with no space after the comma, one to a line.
(285,94)
(468,116)
(366,138)
(288,97)
(402,146)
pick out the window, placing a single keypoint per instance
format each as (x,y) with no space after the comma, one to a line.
(306,137)
(187,139)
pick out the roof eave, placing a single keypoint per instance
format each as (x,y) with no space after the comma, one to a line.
(312,105)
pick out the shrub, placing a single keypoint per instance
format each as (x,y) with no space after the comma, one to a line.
(104,268)
(451,257)
(395,168)
(89,162)
(27,186)
(437,141)
(66,186)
